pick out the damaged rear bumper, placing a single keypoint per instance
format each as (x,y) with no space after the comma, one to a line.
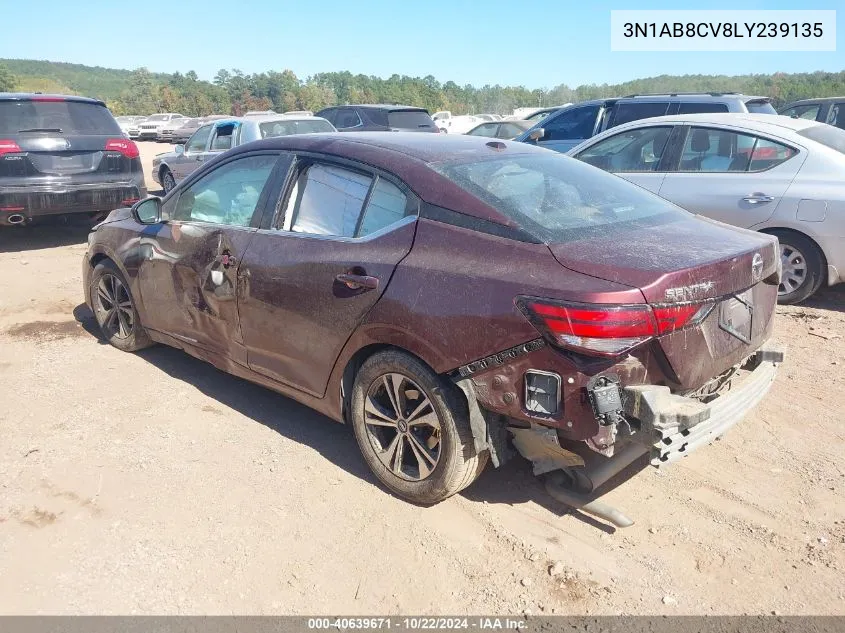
(676,425)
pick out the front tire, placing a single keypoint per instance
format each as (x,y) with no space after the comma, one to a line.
(803,267)
(114,309)
(412,427)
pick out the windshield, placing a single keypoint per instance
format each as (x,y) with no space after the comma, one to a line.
(556,197)
(286,128)
(60,117)
(827,135)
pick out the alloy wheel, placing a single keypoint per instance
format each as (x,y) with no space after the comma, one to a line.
(114,307)
(794,271)
(402,426)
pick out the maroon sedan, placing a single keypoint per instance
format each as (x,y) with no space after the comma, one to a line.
(451,298)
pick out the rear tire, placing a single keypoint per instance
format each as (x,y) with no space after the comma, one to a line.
(114,309)
(803,267)
(422,449)
(168,182)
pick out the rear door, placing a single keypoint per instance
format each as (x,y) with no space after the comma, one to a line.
(319,266)
(189,267)
(731,176)
(636,155)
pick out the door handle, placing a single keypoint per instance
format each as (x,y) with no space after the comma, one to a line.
(757,198)
(227,260)
(356,282)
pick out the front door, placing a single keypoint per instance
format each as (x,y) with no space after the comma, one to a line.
(189,274)
(314,273)
(733,177)
(193,155)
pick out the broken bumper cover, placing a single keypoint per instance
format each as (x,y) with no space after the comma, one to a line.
(679,425)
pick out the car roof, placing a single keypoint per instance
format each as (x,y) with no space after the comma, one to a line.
(285,117)
(27,96)
(760,122)
(382,106)
(427,148)
(813,101)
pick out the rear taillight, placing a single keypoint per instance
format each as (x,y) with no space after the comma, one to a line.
(124,146)
(607,330)
(8,147)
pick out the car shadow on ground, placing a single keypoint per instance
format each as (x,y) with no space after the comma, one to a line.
(829,298)
(48,233)
(512,484)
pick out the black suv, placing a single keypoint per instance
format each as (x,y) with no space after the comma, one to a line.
(379,118)
(830,110)
(566,128)
(63,154)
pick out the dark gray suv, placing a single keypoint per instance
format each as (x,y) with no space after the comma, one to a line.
(566,128)
(63,154)
(379,118)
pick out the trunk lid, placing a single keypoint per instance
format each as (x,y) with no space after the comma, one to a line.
(686,260)
(691,261)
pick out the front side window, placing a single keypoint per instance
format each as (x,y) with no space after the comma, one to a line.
(347,118)
(227,195)
(485,129)
(715,150)
(810,112)
(630,151)
(199,140)
(574,124)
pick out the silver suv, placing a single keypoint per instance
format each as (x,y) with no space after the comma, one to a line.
(566,128)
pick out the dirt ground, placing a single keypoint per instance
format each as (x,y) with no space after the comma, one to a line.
(153,483)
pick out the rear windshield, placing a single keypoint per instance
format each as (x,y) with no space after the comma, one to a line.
(61,117)
(286,128)
(409,119)
(827,135)
(760,107)
(557,198)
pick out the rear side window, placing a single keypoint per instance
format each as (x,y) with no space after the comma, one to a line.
(760,107)
(410,119)
(60,117)
(715,150)
(634,111)
(287,128)
(339,202)
(387,205)
(330,200)
(702,107)
(347,118)
(836,115)
(556,198)
(827,135)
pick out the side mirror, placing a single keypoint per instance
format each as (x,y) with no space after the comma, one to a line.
(179,149)
(148,211)
(537,135)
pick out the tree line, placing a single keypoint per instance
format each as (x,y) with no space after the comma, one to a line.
(233,92)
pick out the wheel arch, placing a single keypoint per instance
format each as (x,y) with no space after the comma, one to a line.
(774,230)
